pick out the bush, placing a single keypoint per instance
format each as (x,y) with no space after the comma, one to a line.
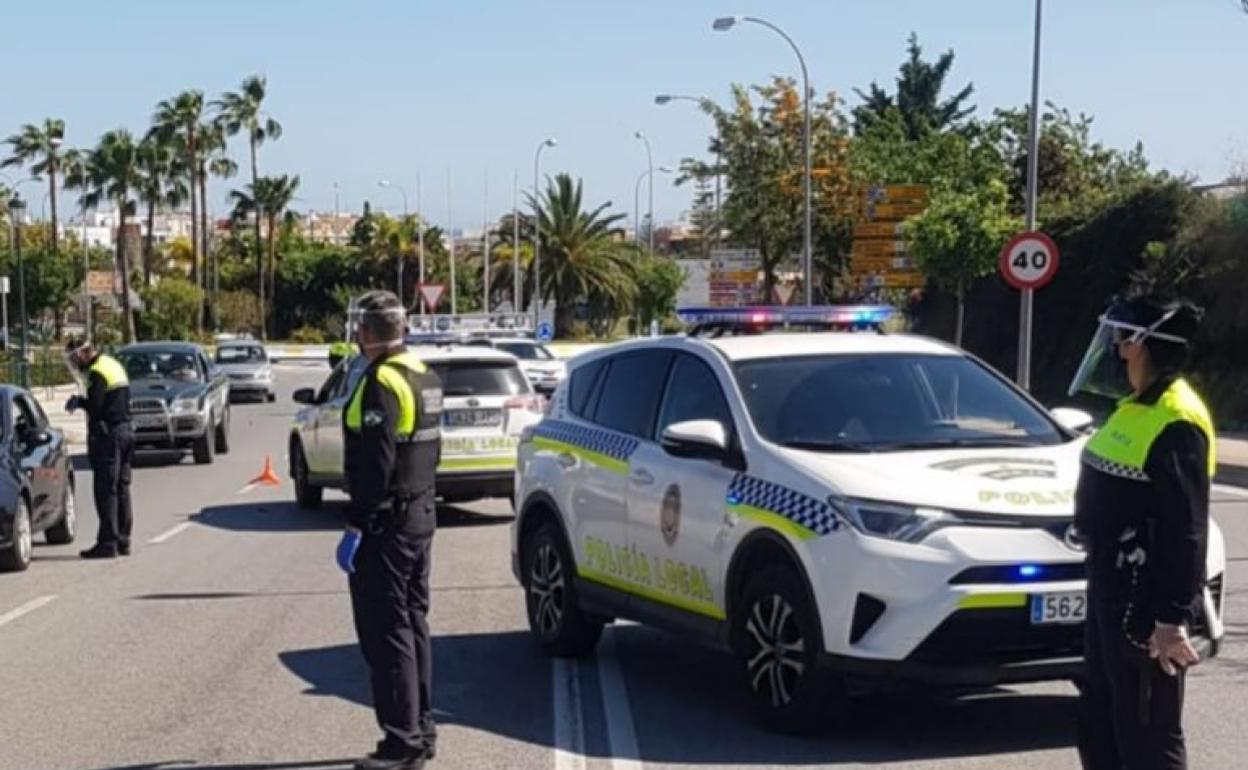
(308,335)
(237,312)
(171,309)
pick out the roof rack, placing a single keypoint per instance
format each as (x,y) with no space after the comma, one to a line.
(758,319)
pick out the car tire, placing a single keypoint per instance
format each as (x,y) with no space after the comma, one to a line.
(307,494)
(222,436)
(270,397)
(16,558)
(776,638)
(66,528)
(555,619)
(203,446)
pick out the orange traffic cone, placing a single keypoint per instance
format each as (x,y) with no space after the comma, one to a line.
(267,476)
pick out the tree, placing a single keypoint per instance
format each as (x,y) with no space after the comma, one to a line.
(240,111)
(172,309)
(582,253)
(658,281)
(112,172)
(917,102)
(179,120)
(39,147)
(161,184)
(213,161)
(267,198)
(957,240)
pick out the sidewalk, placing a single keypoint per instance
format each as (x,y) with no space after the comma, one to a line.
(74,426)
(1233,460)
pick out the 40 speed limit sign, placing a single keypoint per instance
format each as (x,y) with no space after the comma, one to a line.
(1029,260)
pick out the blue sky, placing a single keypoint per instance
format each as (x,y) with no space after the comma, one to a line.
(376,88)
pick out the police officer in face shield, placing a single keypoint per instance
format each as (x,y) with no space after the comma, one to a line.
(1142,507)
(391,427)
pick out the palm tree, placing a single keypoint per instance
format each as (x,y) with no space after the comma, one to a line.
(113,171)
(213,162)
(267,198)
(243,111)
(39,147)
(583,258)
(178,120)
(161,184)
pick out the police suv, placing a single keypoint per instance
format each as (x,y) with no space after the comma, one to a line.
(836,509)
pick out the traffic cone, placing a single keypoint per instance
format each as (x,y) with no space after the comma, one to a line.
(267,476)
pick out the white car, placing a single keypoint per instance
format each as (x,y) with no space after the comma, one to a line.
(834,508)
(541,366)
(487,403)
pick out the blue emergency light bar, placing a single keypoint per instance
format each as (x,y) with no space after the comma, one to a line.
(779,315)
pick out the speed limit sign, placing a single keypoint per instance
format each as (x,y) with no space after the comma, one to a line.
(1029,260)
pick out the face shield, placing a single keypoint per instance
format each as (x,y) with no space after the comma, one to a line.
(75,366)
(1103,372)
(355,327)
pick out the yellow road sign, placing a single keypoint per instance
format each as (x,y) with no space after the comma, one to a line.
(884,230)
(892,212)
(894,280)
(870,249)
(881,264)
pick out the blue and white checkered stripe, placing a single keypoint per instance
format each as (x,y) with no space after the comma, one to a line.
(614,445)
(813,514)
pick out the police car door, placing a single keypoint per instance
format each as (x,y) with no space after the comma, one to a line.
(676,504)
(623,411)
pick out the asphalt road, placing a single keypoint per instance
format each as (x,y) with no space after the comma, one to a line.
(225,643)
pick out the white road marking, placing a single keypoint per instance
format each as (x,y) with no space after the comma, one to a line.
(26,608)
(1232,491)
(247,488)
(569,725)
(166,535)
(620,731)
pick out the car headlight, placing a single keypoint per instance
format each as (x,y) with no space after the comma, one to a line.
(891,521)
(185,404)
(264,374)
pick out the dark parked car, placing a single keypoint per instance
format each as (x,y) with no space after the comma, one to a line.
(36,480)
(179,399)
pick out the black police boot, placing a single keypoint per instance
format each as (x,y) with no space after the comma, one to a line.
(386,758)
(123,549)
(99,551)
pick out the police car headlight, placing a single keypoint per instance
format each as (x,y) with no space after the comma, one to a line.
(185,405)
(904,523)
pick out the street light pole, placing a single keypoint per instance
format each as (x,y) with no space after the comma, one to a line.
(1026,302)
(334,230)
(399,257)
(420,242)
(515,241)
(637,196)
(16,207)
(450,242)
(485,241)
(537,232)
(728,22)
(650,186)
(702,101)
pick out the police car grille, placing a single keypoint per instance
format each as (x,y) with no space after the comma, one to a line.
(147,405)
(997,636)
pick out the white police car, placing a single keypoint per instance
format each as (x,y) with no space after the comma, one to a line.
(834,508)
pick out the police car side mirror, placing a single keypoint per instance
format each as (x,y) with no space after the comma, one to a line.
(305,396)
(700,439)
(1073,420)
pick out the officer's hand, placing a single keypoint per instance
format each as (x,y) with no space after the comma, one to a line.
(74,403)
(347,546)
(1172,649)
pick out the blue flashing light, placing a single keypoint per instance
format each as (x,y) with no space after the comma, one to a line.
(774,315)
(1029,571)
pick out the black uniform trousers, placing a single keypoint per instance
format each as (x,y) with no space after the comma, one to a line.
(390,601)
(110,448)
(1130,715)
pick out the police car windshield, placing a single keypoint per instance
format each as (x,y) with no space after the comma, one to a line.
(461,379)
(887,402)
(526,351)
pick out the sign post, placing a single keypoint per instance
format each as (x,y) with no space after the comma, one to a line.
(1028,262)
(4,307)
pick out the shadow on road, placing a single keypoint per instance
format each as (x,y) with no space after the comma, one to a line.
(213,595)
(184,764)
(270,516)
(690,707)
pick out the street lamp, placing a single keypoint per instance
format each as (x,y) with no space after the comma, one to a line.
(1025,304)
(725,23)
(650,173)
(702,101)
(537,233)
(384,183)
(16,207)
(636,196)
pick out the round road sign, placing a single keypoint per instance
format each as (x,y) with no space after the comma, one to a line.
(545,332)
(1029,260)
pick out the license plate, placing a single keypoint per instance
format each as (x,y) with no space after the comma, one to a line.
(1068,607)
(472,418)
(149,421)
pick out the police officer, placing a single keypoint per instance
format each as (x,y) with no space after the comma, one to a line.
(110,445)
(392,450)
(1142,507)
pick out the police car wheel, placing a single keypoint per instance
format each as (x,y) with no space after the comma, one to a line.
(307,494)
(65,530)
(560,626)
(777,641)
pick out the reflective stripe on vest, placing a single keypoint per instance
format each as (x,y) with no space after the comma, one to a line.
(1121,446)
(390,377)
(111,371)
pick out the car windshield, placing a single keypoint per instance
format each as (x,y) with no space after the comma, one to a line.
(887,402)
(241,354)
(480,378)
(159,364)
(525,351)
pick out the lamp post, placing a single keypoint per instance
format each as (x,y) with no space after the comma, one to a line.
(637,196)
(537,232)
(701,101)
(1025,304)
(333,233)
(649,173)
(16,208)
(384,183)
(725,23)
